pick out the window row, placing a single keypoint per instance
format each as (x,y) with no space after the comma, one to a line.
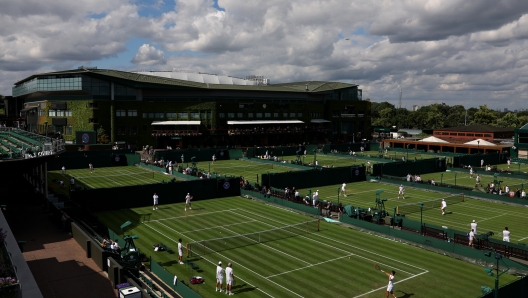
(179,116)
(59,113)
(123,113)
(259,115)
(123,130)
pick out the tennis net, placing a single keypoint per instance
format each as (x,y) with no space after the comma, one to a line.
(209,246)
(415,207)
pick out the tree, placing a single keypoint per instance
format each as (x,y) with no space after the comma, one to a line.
(484,116)
(102,137)
(384,119)
(509,120)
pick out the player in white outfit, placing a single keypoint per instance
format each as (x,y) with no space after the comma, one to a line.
(343,189)
(219,277)
(506,235)
(444,206)
(180,251)
(188,199)
(390,286)
(155,206)
(401,191)
(230,278)
(470,172)
(474,227)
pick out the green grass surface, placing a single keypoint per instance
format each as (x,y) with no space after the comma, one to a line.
(246,168)
(465,180)
(106,177)
(489,216)
(334,262)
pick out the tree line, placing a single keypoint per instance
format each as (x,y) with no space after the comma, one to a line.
(438,116)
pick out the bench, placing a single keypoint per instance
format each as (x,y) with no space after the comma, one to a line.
(517,252)
(435,233)
(500,248)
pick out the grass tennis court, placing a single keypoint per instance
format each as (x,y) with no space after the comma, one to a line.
(107,177)
(465,180)
(246,168)
(489,216)
(333,262)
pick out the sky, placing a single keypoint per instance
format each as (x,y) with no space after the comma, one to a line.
(452,51)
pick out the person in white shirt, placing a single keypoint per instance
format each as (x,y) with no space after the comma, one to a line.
(471,237)
(91,167)
(477,180)
(401,191)
(188,199)
(474,227)
(72,183)
(470,172)
(506,235)
(343,189)
(523,194)
(506,189)
(155,206)
(219,277)
(408,177)
(316,163)
(63,171)
(183,158)
(509,163)
(214,158)
(180,251)
(315,198)
(390,286)
(481,163)
(444,206)
(230,278)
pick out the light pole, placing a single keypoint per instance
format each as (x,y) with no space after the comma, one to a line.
(455,179)
(441,177)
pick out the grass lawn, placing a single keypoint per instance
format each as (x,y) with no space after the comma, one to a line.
(333,262)
(465,180)
(489,216)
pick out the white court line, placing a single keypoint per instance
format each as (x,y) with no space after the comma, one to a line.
(493,217)
(215,227)
(279,251)
(233,262)
(205,258)
(168,218)
(330,239)
(380,288)
(522,238)
(327,261)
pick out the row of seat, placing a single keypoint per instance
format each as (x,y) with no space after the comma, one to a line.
(152,288)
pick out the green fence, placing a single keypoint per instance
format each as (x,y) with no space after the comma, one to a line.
(314,177)
(517,288)
(287,164)
(175,173)
(474,160)
(280,151)
(202,154)
(401,169)
(99,159)
(168,278)
(281,202)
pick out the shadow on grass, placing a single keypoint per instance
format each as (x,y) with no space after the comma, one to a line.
(243,288)
(406,295)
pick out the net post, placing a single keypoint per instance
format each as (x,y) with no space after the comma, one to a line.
(398,210)
(462,197)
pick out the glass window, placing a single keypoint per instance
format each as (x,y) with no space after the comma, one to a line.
(151,115)
(69,130)
(267,115)
(204,115)
(120,113)
(284,115)
(145,115)
(250,115)
(133,130)
(160,115)
(276,115)
(299,115)
(292,115)
(240,115)
(208,115)
(132,113)
(171,115)
(51,113)
(230,115)
(68,113)
(221,115)
(60,113)
(121,130)
(259,115)
(183,115)
(195,116)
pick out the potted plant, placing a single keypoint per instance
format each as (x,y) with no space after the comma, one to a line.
(9,285)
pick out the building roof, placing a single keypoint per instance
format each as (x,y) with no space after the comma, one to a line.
(201,81)
(524,127)
(433,140)
(264,122)
(480,142)
(476,128)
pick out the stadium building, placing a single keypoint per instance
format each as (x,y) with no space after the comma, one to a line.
(189,109)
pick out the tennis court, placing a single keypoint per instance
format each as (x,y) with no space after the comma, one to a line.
(464,179)
(332,262)
(108,177)
(246,168)
(490,216)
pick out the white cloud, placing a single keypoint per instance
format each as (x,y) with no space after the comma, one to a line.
(453,51)
(149,55)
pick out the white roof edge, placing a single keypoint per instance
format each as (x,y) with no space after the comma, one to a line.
(176,122)
(264,122)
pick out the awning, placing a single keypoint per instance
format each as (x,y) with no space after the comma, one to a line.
(28,109)
(265,122)
(176,123)
(319,121)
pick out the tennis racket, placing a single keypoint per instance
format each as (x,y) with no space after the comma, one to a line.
(234,282)
(377,267)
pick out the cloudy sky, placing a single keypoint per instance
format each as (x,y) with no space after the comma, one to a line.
(452,51)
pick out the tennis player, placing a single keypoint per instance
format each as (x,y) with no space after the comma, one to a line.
(91,167)
(444,206)
(509,163)
(155,206)
(401,191)
(471,237)
(188,199)
(230,278)
(506,235)
(214,158)
(390,286)
(180,251)
(219,277)
(343,189)
(474,226)
(477,180)
(63,170)
(470,172)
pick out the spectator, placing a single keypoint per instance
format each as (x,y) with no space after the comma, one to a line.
(327,210)
(471,236)
(474,227)
(523,194)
